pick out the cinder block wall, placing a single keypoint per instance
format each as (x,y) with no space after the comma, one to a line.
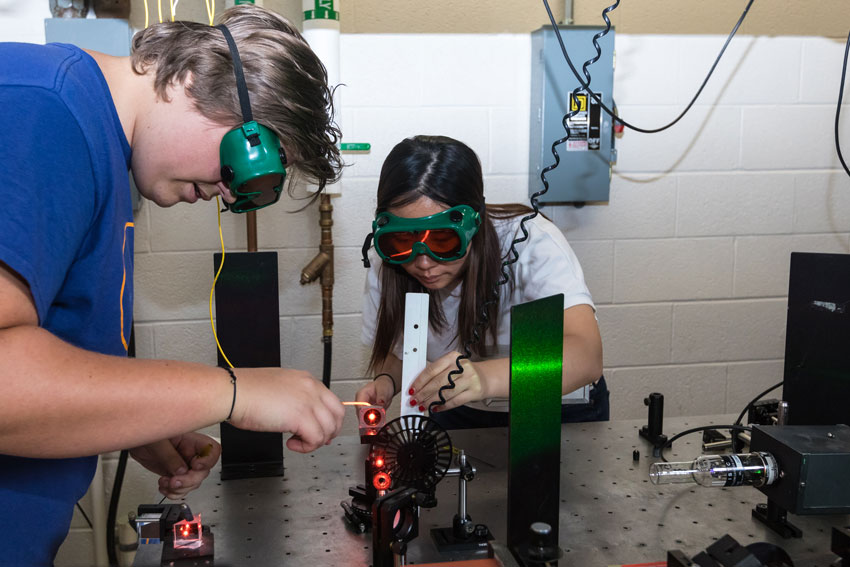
(688,262)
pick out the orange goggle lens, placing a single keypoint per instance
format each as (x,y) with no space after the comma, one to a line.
(444,244)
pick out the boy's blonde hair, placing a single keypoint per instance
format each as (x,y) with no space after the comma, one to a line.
(287,83)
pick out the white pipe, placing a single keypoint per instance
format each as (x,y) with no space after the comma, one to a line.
(98,500)
(568,12)
(321,30)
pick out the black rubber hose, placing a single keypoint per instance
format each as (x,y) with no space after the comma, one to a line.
(111,516)
(326,365)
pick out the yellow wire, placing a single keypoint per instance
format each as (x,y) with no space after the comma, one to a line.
(159,9)
(146,14)
(171,3)
(221,265)
(211,13)
(210,10)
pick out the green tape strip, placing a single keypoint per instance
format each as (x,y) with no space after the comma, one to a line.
(537,342)
(355,147)
(321,14)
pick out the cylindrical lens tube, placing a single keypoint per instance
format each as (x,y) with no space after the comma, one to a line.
(747,469)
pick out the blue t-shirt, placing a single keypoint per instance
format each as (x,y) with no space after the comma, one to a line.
(66,227)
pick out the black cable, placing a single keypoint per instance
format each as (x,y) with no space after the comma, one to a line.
(754,400)
(669,442)
(610,112)
(112,515)
(83,512)
(118,481)
(513,254)
(838,108)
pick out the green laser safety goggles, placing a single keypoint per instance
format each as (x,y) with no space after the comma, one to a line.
(444,236)
(253,163)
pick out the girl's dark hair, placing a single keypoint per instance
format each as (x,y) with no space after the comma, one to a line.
(446,171)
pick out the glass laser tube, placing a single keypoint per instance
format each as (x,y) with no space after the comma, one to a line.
(747,469)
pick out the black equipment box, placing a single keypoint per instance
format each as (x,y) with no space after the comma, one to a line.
(814,461)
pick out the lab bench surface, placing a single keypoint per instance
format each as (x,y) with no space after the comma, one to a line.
(610,513)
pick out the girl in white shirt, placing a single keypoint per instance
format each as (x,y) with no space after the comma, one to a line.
(434,234)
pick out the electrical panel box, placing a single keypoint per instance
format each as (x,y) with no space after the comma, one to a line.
(584,173)
(106,35)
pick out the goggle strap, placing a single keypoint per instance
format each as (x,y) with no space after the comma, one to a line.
(366,245)
(241,87)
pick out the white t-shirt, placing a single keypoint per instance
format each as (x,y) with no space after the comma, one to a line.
(546,266)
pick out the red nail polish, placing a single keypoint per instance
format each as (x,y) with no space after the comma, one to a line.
(436,409)
(412,402)
(411,392)
(421,408)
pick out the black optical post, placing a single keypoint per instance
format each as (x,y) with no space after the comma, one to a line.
(247,322)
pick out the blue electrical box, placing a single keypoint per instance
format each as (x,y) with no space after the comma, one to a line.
(584,173)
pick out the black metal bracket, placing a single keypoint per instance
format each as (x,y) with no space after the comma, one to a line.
(776,518)
(652,430)
(840,545)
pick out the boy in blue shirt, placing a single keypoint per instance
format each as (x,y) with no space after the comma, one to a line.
(72,123)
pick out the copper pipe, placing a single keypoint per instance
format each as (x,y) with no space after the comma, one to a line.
(251,224)
(322,265)
(312,271)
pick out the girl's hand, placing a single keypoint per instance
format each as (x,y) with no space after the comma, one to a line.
(469,387)
(378,392)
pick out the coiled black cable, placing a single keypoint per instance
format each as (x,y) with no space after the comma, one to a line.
(610,112)
(513,255)
(838,109)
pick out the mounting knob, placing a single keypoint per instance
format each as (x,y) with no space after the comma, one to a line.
(541,548)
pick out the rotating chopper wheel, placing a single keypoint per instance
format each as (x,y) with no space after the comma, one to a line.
(417,452)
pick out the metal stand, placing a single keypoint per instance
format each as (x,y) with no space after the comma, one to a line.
(463,535)
(396,522)
(652,431)
(358,512)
